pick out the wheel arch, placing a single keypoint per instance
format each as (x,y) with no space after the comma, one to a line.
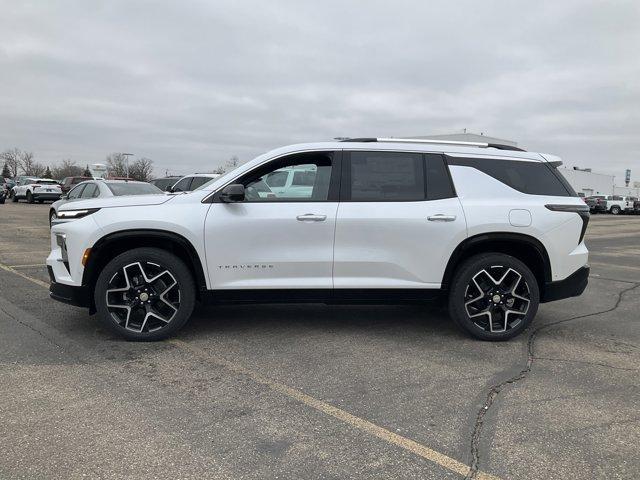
(523,247)
(107,247)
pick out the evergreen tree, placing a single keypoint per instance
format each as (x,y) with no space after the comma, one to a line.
(47,173)
(87,172)
(6,173)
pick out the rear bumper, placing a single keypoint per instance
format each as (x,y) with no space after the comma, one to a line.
(72,295)
(47,196)
(572,286)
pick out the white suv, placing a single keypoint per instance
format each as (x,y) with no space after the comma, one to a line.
(496,229)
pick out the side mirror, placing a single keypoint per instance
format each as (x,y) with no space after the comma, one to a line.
(64,197)
(232,193)
(169,188)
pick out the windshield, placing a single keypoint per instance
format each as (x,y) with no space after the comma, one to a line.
(133,188)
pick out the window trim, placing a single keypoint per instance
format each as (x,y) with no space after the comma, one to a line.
(334,181)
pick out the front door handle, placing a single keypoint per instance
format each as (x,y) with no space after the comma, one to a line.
(440,217)
(311,217)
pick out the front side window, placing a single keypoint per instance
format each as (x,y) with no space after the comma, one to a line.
(182,185)
(75,192)
(302,177)
(384,177)
(90,191)
(199,181)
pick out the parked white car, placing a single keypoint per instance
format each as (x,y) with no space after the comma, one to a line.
(100,188)
(495,229)
(36,190)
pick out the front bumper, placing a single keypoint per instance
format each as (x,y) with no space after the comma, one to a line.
(572,286)
(72,295)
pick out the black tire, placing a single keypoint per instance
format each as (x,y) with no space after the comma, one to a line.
(615,210)
(14,199)
(52,215)
(29,197)
(500,311)
(130,323)
(40,201)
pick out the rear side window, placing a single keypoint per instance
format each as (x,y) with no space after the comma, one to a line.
(439,184)
(533,178)
(385,177)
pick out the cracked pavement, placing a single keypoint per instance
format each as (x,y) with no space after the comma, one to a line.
(562,400)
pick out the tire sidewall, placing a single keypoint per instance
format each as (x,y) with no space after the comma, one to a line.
(462,278)
(163,258)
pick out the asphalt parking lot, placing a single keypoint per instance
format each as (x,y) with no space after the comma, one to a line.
(326,392)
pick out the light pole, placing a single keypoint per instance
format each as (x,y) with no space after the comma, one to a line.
(126,162)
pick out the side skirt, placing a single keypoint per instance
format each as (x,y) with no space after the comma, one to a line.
(326,296)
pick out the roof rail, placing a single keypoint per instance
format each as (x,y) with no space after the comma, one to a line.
(498,146)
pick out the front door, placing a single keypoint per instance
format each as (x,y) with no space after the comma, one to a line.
(398,221)
(281,235)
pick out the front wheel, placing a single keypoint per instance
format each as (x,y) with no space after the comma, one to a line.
(14,198)
(615,210)
(29,197)
(493,296)
(145,294)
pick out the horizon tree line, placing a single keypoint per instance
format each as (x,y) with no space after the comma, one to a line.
(17,161)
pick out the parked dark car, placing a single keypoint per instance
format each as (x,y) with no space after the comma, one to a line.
(636,207)
(69,182)
(597,203)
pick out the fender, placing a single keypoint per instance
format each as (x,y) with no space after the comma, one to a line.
(499,240)
(144,237)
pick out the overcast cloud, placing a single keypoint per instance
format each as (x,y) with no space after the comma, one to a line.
(189,84)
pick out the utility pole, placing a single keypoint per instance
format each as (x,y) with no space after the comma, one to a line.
(126,162)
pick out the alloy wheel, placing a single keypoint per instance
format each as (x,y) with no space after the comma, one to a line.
(143,297)
(497,299)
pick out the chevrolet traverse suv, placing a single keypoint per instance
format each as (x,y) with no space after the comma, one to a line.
(495,229)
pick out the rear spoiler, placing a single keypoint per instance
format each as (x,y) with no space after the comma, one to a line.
(552,160)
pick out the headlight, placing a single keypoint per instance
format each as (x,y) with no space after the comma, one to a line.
(73,214)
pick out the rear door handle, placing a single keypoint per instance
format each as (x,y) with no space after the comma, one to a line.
(311,217)
(441,218)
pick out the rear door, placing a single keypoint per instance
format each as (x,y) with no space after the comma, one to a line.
(398,221)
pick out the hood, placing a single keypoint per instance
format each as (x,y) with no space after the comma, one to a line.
(121,201)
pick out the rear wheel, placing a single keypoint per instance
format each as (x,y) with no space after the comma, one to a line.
(493,296)
(29,197)
(615,210)
(145,294)
(14,199)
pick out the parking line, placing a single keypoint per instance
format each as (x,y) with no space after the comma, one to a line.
(412,446)
(28,266)
(361,424)
(26,277)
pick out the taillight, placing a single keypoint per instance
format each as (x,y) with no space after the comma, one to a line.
(582,210)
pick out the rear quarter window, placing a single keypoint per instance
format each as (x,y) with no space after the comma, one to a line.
(533,178)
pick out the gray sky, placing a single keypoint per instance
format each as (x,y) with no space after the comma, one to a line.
(189,84)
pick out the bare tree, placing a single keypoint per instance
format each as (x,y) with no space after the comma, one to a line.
(141,169)
(67,168)
(12,159)
(29,166)
(231,164)
(117,164)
